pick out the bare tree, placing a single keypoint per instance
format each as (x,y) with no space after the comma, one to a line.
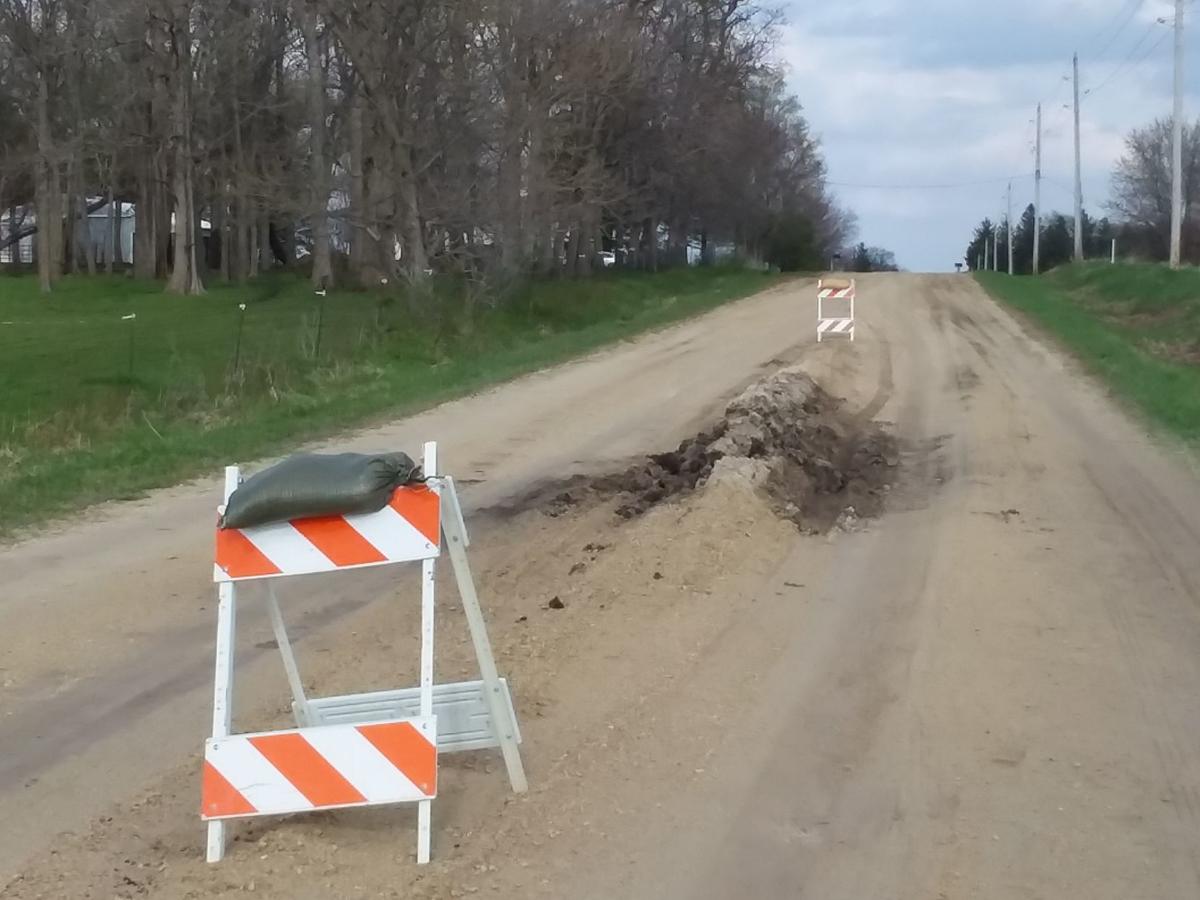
(1141,186)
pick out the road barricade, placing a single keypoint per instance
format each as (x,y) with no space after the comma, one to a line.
(358,749)
(839,290)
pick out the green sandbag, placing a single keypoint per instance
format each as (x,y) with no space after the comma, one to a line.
(314,484)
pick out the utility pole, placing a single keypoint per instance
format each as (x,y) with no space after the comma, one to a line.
(983,268)
(1009,228)
(996,248)
(1037,198)
(1078,173)
(1177,143)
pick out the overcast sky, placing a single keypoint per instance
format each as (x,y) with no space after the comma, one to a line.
(937,92)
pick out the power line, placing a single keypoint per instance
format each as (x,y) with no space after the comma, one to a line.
(1102,30)
(1062,186)
(1125,63)
(1135,6)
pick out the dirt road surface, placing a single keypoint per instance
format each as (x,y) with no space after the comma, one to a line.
(991,691)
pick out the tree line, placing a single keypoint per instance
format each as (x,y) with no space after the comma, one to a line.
(1057,241)
(369,141)
(1139,204)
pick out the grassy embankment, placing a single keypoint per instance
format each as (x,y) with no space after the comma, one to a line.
(1135,326)
(94,406)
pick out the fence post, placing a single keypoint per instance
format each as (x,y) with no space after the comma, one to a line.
(131,318)
(237,345)
(320,322)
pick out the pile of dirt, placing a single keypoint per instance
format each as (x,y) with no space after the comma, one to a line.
(785,435)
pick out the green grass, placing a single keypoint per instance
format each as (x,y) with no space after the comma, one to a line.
(1135,326)
(83,418)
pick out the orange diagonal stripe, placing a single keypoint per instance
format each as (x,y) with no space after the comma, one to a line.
(239,557)
(220,798)
(421,507)
(408,750)
(338,540)
(306,769)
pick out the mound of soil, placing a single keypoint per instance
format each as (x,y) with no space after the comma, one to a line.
(789,437)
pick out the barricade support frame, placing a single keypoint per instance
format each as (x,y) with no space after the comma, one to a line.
(466,700)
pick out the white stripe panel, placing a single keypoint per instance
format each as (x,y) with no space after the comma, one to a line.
(392,534)
(361,764)
(288,549)
(835,325)
(255,778)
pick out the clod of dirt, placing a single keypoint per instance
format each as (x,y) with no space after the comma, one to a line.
(787,436)
(556,603)
(1005,515)
(562,503)
(848,520)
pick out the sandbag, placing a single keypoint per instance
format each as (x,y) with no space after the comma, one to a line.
(315,484)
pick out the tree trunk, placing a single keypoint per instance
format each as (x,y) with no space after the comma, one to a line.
(12,231)
(198,234)
(244,264)
(322,269)
(285,235)
(48,196)
(70,255)
(650,236)
(247,242)
(113,244)
(84,231)
(145,241)
(151,236)
(162,216)
(266,258)
(509,197)
(250,235)
(679,242)
(552,248)
(185,275)
(358,195)
(572,267)
(220,232)
(415,258)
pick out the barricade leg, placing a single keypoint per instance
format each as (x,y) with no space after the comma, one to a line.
(222,719)
(497,708)
(429,463)
(289,659)
(428,581)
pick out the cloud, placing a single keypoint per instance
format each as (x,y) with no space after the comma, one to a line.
(937,92)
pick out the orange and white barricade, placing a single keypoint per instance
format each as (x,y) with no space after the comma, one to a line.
(841,291)
(360,749)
